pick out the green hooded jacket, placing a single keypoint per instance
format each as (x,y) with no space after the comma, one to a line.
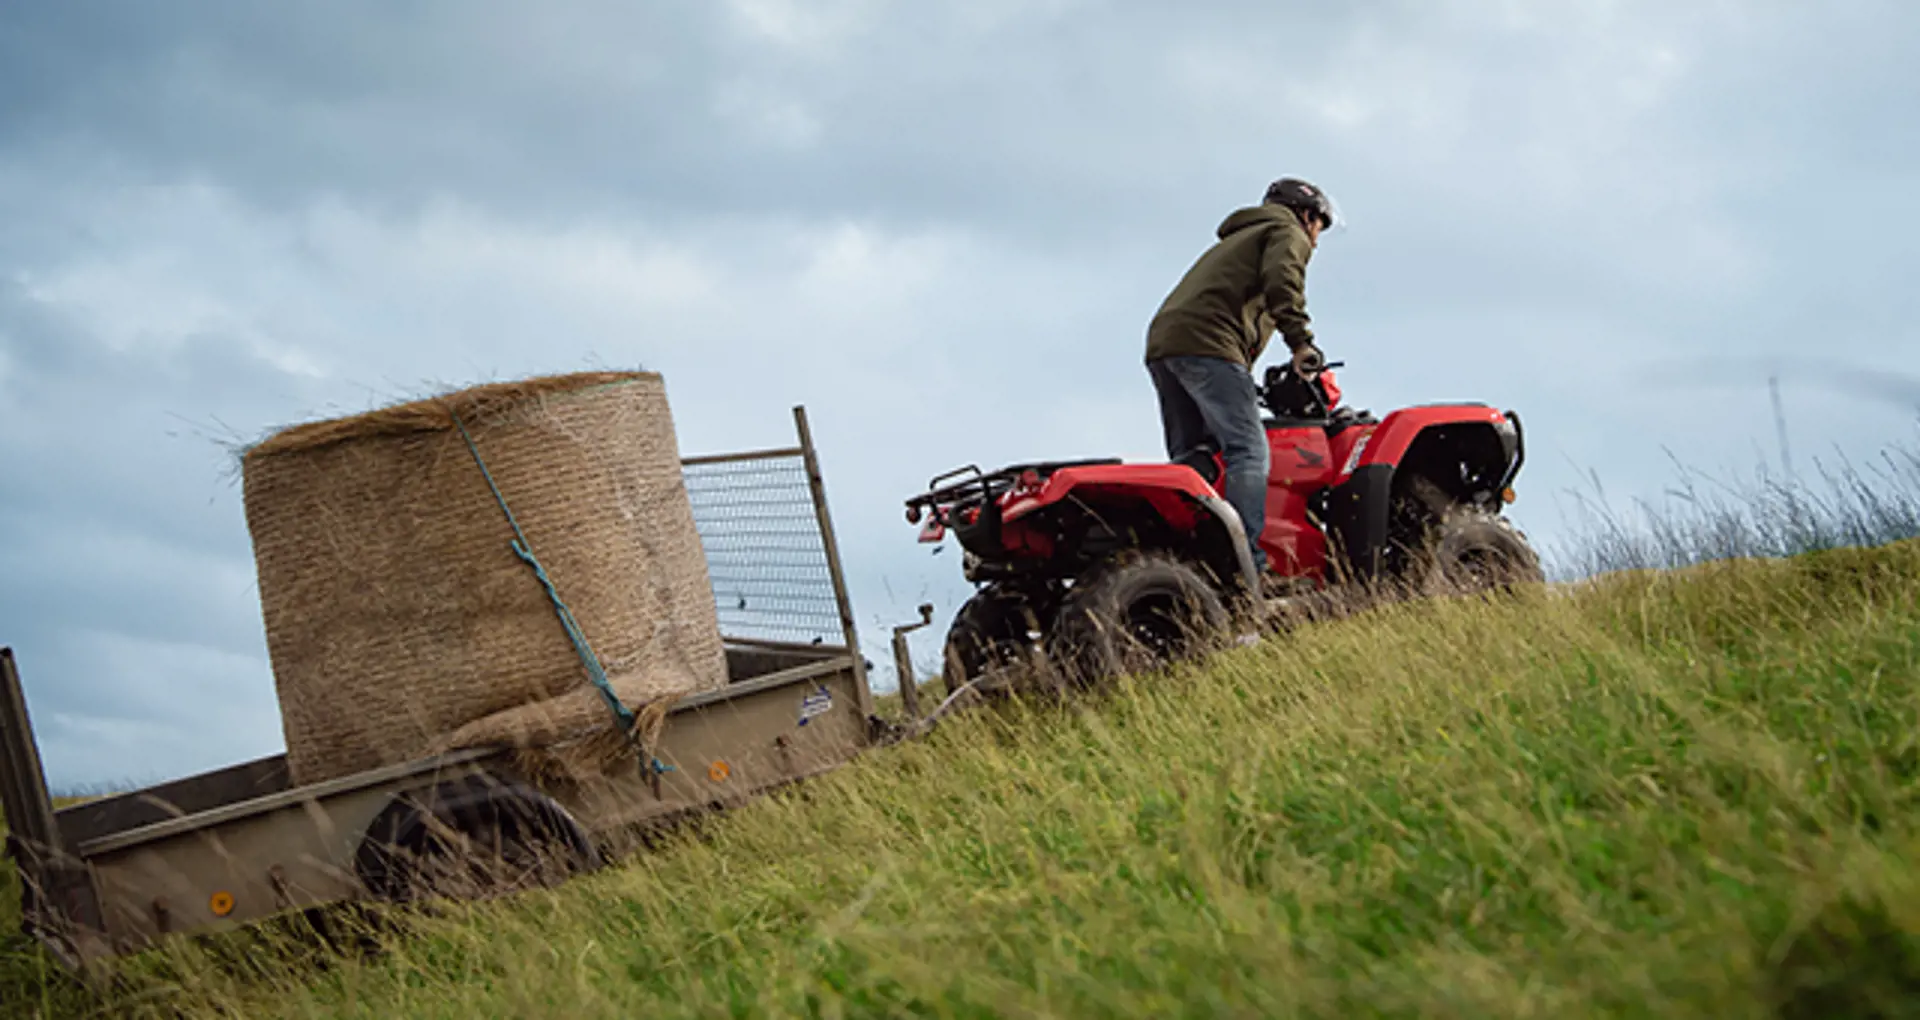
(1252,281)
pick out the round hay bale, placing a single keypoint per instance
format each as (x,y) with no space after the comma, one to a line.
(399,619)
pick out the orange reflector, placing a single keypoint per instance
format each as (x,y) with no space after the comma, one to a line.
(221,903)
(1507,495)
(719,771)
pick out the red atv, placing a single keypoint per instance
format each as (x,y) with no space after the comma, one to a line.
(1097,566)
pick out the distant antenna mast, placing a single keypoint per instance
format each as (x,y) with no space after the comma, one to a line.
(1780,426)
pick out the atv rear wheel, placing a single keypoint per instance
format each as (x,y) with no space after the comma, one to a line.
(990,633)
(1136,614)
(1472,552)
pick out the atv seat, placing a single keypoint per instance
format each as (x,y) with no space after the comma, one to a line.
(1342,417)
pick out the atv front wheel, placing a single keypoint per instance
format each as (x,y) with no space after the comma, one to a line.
(1136,614)
(990,633)
(1473,552)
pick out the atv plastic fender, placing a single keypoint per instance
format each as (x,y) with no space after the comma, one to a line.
(1229,520)
(1361,495)
(1175,491)
(1390,440)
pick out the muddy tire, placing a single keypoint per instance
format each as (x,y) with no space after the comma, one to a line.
(1138,614)
(1472,552)
(988,634)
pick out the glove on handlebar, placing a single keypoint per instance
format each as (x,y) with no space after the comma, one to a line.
(1308,359)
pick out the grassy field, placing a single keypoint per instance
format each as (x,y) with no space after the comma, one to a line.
(31,984)
(1667,794)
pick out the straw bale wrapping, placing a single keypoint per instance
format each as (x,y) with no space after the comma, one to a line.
(399,620)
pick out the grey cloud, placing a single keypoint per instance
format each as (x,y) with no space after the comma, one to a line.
(1549,203)
(1896,390)
(72,400)
(126,554)
(922,114)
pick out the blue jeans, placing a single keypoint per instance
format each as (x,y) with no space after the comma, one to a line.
(1211,398)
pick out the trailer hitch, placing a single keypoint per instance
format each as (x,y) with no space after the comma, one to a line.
(903,662)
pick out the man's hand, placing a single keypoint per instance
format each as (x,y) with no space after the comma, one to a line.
(1307,360)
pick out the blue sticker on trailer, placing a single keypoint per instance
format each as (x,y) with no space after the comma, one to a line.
(819,702)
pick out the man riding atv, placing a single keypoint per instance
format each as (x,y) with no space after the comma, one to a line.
(1280,503)
(1213,327)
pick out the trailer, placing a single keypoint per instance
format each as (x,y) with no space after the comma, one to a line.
(228,848)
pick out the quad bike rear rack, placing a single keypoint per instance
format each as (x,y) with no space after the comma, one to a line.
(984,487)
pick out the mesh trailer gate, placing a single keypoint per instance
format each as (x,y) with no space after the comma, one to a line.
(772,557)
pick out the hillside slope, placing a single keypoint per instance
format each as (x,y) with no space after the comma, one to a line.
(1671,794)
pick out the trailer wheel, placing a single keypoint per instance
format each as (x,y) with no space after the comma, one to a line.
(489,863)
(473,838)
(990,633)
(1139,613)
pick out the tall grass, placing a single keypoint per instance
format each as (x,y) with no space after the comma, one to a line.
(1668,793)
(1665,795)
(1702,518)
(31,982)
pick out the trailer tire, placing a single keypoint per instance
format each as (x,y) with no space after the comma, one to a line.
(470,838)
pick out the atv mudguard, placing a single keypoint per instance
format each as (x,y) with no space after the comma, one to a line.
(1175,492)
(1361,499)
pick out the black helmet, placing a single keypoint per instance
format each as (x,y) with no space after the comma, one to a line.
(1295,193)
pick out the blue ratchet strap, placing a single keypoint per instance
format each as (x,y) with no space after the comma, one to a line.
(520,548)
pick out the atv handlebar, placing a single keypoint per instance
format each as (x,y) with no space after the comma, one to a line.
(1316,403)
(1288,367)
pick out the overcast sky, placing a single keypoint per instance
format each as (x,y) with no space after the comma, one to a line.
(941,226)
